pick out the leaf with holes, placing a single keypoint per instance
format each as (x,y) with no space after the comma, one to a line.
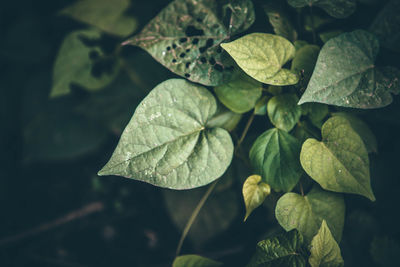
(283,111)
(254,193)
(262,55)
(106,15)
(283,250)
(340,162)
(185,37)
(275,155)
(167,143)
(305,213)
(194,261)
(78,63)
(336,8)
(279,20)
(346,75)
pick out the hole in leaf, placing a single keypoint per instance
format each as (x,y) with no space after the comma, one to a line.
(187,64)
(218,67)
(199,20)
(203,60)
(93,55)
(202,49)
(187,75)
(182,40)
(193,31)
(195,41)
(174,60)
(219,50)
(209,43)
(182,55)
(187,50)
(168,48)
(173,46)
(212,61)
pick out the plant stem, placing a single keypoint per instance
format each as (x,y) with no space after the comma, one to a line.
(194,216)
(301,189)
(312,26)
(246,129)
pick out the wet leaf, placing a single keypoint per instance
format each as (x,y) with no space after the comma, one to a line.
(336,8)
(254,193)
(283,111)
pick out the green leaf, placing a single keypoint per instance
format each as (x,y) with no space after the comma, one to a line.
(167,144)
(386,25)
(304,61)
(194,261)
(261,106)
(304,130)
(275,155)
(315,22)
(283,111)
(224,118)
(262,55)
(362,129)
(340,162)
(316,112)
(325,251)
(306,213)
(240,94)
(185,37)
(345,74)
(283,250)
(254,193)
(74,64)
(336,8)
(326,36)
(106,15)
(279,20)
(299,44)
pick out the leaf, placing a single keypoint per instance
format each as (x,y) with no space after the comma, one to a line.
(283,111)
(326,36)
(385,251)
(325,251)
(185,37)
(316,112)
(386,25)
(304,61)
(275,155)
(106,15)
(224,118)
(194,261)
(167,144)
(306,213)
(316,22)
(279,20)
(282,250)
(336,8)
(304,130)
(362,129)
(261,106)
(340,162)
(240,94)
(262,55)
(254,193)
(345,74)
(75,64)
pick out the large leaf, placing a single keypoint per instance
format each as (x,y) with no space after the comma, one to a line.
(194,261)
(336,8)
(106,15)
(283,111)
(283,250)
(240,94)
(275,155)
(325,251)
(262,55)
(304,61)
(185,37)
(305,213)
(340,162)
(78,63)
(280,20)
(167,143)
(345,74)
(254,193)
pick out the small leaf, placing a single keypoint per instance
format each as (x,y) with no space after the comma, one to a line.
(306,213)
(185,37)
(279,20)
(106,15)
(283,111)
(326,36)
(254,193)
(262,55)
(340,162)
(304,130)
(275,155)
(316,112)
(240,94)
(316,22)
(194,261)
(283,250)
(304,61)
(336,8)
(74,64)
(167,144)
(345,74)
(224,118)
(325,251)
(261,106)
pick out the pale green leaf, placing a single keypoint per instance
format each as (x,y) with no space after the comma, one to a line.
(325,251)
(194,261)
(74,64)
(346,75)
(106,15)
(280,20)
(306,213)
(336,8)
(262,55)
(254,193)
(283,111)
(304,61)
(275,156)
(224,118)
(167,143)
(186,34)
(261,106)
(340,162)
(283,250)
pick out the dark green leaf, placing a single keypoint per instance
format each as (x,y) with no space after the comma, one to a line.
(283,111)
(304,130)
(304,61)
(326,36)
(279,20)
(261,106)
(336,8)
(194,261)
(316,112)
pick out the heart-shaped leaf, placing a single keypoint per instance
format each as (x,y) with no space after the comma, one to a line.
(340,162)
(194,261)
(283,111)
(261,106)
(275,155)
(167,143)
(280,20)
(306,213)
(262,55)
(336,8)
(254,193)
(345,74)
(185,37)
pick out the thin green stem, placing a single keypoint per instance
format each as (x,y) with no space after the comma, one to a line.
(246,129)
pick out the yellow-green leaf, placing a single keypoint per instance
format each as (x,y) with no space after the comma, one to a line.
(254,193)
(194,261)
